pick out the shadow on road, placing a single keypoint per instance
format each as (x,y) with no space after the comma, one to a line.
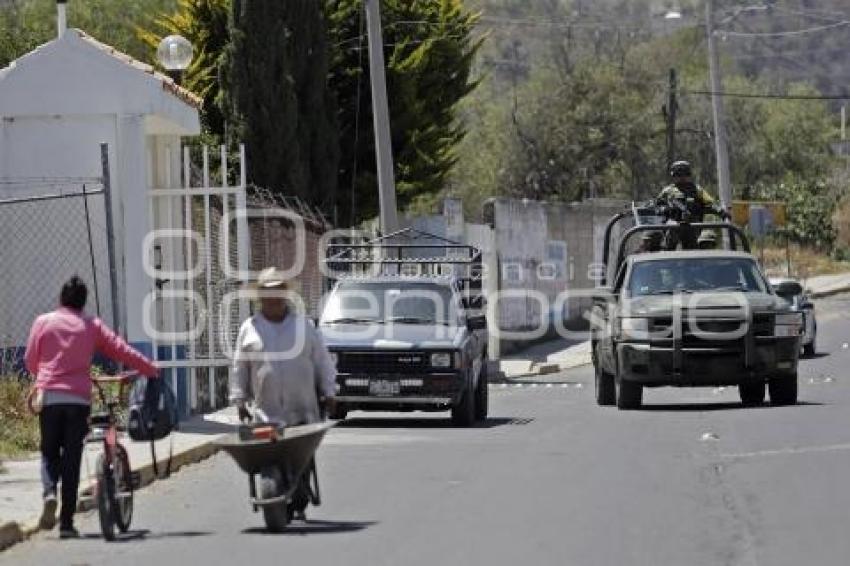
(697,407)
(815,356)
(315,528)
(413,422)
(144,534)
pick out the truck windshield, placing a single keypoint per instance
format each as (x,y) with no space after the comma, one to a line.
(393,302)
(660,277)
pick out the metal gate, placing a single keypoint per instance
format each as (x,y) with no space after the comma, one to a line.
(197,254)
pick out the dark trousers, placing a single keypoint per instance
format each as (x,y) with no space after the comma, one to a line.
(63,432)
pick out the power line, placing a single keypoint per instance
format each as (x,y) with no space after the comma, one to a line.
(560,24)
(808,14)
(784,33)
(769,96)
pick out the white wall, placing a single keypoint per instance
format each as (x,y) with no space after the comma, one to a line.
(69,147)
(521,236)
(45,243)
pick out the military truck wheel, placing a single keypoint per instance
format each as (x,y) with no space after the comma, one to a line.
(463,413)
(810,349)
(482,394)
(783,390)
(629,394)
(752,394)
(606,391)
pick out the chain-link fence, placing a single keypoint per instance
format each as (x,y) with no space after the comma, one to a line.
(57,230)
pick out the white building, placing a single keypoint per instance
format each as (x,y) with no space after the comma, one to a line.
(58,103)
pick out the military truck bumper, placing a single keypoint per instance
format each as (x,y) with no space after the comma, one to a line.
(669,364)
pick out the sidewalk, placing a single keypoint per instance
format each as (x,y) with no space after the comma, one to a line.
(20,485)
(828,285)
(544,359)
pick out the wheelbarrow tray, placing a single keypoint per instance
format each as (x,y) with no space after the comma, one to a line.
(292,451)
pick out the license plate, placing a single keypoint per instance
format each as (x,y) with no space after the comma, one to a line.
(384,388)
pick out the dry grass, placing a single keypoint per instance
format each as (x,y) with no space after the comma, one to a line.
(19,433)
(805,262)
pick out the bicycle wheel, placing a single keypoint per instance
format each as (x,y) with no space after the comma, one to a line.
(123,509)
(105,498)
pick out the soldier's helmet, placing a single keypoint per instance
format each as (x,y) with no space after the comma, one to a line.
(681,169)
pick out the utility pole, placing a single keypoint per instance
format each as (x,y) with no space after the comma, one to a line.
(720,147)
(671,111)
(381,112)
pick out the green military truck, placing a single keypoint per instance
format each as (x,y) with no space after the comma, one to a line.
(690,318)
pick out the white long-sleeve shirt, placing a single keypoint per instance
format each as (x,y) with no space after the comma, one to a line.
(284,367)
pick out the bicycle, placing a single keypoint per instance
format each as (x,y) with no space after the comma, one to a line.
(115,479)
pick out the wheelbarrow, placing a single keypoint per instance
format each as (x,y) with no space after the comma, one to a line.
(282,458)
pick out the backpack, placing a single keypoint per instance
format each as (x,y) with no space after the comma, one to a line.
(152,412)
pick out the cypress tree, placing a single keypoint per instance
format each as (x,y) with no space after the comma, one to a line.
(276,97)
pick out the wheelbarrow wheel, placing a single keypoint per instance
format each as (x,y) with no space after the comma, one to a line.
(271,485)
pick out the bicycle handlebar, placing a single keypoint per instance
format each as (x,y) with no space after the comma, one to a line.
(122,377)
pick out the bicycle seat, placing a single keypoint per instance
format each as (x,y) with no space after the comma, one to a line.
(100,420)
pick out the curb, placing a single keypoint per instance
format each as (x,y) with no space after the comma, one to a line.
(193,455)
(540,369)
(13,532)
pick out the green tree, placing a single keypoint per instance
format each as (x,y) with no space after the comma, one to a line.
(430,53)
(24,24)
(277,98)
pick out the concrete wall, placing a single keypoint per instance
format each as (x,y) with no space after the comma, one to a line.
(545,249)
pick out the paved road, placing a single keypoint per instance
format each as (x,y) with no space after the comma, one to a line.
(695,479)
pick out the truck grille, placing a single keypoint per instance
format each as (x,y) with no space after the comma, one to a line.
(762,325)
(383,362)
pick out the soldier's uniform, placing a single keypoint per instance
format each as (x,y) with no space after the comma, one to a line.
(702,197)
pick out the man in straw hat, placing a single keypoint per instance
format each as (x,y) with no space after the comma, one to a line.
(282,364)
(280,361)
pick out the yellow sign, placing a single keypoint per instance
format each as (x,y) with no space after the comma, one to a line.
(746,211)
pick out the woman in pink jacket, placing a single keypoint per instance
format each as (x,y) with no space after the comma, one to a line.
(59,354)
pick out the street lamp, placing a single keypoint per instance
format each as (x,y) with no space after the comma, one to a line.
(175,53)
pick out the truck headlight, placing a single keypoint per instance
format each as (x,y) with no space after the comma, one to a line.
(788,325)
(441,360)
(634,328)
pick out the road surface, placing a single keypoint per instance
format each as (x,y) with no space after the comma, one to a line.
(694,479)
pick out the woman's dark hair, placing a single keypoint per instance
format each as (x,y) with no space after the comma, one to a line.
(74,294)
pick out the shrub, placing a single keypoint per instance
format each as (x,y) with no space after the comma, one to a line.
(19,432)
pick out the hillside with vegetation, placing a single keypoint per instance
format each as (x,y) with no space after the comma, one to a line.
(574,94)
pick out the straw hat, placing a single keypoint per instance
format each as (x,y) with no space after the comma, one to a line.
(271,278)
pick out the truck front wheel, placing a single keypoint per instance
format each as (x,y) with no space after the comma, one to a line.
(752,394)
(783,390)
(482,393)
(606,392)
(629,395)
(463,413)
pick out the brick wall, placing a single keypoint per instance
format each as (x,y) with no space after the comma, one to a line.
(276,242)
